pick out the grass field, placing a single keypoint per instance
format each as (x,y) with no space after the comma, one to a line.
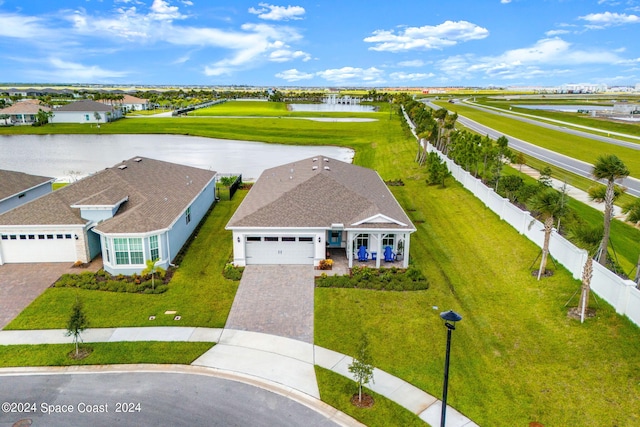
(103,353)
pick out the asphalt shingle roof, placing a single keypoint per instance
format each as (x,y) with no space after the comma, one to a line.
(83,106)
(158,192)
(12,183)
(318,192)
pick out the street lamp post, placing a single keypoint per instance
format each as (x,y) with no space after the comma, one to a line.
(450,318)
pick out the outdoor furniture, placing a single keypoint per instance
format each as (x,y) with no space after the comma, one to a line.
(389,256)
(363,255)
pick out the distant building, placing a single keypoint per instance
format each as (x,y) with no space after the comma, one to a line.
(23,112)
(86,111)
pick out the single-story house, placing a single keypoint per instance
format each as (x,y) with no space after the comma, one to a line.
(296,212)
(86,111)
(138,210)
(129,103)
(18,188)
(23,112)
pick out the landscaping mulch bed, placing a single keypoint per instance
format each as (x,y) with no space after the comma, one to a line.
(366,402)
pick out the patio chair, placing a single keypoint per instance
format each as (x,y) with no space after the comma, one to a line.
(363,255)
(389,256)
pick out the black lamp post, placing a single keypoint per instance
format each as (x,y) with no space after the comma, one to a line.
(450,318)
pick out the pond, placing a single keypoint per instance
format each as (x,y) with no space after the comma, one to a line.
(57,155)
(332,108)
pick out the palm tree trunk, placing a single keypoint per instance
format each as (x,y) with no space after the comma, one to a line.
(608,214)
(548,224)
(587,273)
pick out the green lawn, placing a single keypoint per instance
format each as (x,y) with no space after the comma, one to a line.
(580,148)
(337,390)
(103,353)
(197,292)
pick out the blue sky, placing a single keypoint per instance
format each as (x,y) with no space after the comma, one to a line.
(371,43)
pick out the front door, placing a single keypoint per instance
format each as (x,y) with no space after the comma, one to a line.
(334,238)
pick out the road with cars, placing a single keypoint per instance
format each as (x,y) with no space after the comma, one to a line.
(565,162)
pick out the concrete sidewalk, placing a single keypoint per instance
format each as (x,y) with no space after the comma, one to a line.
(273,360)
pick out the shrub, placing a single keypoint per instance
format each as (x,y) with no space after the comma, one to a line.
(232,272)
(103,281)
(393,279)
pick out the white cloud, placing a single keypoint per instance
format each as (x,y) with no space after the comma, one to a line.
(552,33)
(161,11)
(410,76)
(294,75)
(545,58)
(413,63)
(23,27)
(351,74)
(284,55)
(447,34)
(65,71)
(277,13)
(608,19)
(505,1)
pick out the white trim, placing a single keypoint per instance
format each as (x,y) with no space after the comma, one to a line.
(374,219)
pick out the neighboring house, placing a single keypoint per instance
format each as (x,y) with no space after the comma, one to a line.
(17,188)
(295,212)
(85,111)
(129,103)
(23,112)
(138,210)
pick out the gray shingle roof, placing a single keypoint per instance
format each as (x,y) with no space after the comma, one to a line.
(318,193)
(12,183)
(158,192)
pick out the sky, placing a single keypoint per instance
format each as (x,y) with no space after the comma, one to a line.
(321,43)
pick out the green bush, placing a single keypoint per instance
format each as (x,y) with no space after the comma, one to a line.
(393,279)
(103,281)
(232,272)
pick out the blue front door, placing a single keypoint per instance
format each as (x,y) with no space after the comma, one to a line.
(334,238)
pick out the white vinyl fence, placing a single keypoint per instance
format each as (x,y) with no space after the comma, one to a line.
(621,294)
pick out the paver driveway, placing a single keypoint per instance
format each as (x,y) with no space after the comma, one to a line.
(275,299)
(22,283)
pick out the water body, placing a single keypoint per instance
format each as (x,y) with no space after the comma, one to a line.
(332,108)
(56,155)
(564,108)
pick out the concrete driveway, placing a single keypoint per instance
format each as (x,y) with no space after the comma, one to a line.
(275,299)
(22,283)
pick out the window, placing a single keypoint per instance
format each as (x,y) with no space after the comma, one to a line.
(128,251)
(305,239)
(13,237)
(388,241)
(153,246)
(288,239)
(41,236)
(21,196)
(362,240)
(32,236)
(270,239)
(67,236)
(187,214)
(86,117)
(253,238)
(59,236)
(49,236)
(23,237)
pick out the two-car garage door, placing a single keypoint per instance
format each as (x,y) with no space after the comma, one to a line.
(38,247)
(279,250)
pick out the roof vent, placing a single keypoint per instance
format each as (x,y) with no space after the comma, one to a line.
(327,168)
(122,167)
(137,160)
(314,168)
(315,159)
(326,160)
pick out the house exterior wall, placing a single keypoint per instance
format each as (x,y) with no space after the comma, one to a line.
(83,116)
(24,197)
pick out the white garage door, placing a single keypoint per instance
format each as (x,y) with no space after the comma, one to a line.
(38,247)
(279,250)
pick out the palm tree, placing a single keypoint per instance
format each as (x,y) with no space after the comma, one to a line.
(611,168)
(549,204)
(633,211)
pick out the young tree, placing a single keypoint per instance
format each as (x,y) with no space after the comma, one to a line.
(5,117)
(611,168)
(362,368)
(545,177)
(42,117)
(437,171)
(549,205)
(152,269)
(98,117)
(77,323)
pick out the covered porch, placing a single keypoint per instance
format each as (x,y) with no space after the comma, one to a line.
(379,248)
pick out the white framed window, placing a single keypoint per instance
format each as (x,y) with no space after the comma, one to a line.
(187,215)
(128,250)
(153,247)
(362,240)
(388,240)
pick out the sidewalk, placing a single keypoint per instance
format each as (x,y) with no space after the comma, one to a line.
(275,361)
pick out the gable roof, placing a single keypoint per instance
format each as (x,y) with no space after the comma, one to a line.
(318,192)
(12,182)
(154,192)
(25,107)
(84,106)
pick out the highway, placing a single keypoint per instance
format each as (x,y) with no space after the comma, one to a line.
(565,162)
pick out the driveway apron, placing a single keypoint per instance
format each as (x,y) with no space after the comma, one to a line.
(275,299)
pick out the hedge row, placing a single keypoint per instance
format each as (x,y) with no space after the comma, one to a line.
(382,279)
(103,281)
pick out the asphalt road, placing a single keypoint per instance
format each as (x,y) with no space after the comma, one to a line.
(565,162)
(146,399)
